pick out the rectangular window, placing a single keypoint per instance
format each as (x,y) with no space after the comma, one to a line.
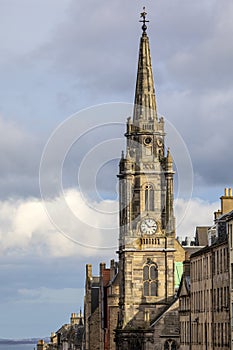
(231,275)
(214,306)
(230,234)
(220,261)
(213,264)
(232,314)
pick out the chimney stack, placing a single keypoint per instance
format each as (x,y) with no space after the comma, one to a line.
(227,201)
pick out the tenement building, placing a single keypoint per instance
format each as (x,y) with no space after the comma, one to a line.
(68,337)
(133,304)
(206,289)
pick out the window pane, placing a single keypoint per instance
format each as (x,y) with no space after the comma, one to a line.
(151,199)
(232,276)
(154,288)
(173,347)
(147,199)
(153,272)
(146,288)
(146,273)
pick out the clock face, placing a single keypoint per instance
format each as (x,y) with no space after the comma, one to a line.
(148,226)
(148,140)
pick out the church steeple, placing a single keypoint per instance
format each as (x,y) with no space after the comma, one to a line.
(145,101)
(147,230)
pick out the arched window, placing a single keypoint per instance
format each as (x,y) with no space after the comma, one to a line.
(149,197)
(174,345)
(150,279)
(170,345)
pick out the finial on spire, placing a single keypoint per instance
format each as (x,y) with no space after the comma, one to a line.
(169,157)
(144,21)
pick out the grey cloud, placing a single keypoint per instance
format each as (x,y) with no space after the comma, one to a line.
(203,60)
(206,124)
(191,54)
(20,155)
(90,55)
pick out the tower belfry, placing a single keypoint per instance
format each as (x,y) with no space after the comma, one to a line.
(147,223)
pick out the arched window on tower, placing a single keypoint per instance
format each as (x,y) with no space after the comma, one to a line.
(149,198)
(170,345)
(174,345)
(150,279)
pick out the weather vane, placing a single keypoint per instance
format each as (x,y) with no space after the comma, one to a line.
(144,21)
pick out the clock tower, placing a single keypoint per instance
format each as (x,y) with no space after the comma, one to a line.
(147,223)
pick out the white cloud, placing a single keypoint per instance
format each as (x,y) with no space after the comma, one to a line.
(25,227)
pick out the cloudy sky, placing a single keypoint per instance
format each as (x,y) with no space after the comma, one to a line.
(58,58)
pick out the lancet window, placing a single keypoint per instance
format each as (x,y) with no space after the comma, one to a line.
(149,197)
(150,279)
(170,345)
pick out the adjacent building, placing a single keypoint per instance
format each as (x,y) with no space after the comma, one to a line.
(206,290)
(101,306)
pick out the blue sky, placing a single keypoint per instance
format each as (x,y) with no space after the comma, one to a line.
(57,58)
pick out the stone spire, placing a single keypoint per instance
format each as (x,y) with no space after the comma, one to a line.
(145,102)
